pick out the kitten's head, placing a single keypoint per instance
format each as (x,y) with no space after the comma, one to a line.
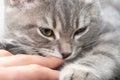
(61,28)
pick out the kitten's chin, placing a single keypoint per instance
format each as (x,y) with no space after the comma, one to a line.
(48,52)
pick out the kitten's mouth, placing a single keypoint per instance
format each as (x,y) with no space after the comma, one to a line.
(73,55)
(70,57)
(47,52)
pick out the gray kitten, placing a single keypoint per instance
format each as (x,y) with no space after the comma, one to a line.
(86,33)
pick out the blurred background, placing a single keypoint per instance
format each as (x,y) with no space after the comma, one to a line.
(1,16)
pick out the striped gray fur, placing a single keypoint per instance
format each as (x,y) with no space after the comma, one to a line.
(86,33)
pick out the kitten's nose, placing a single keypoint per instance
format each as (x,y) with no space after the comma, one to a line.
(65,55)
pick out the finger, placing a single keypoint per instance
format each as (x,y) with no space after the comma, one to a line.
(30,72)
(4,53)
(20,60)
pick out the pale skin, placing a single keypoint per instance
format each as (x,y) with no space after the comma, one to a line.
(28,67)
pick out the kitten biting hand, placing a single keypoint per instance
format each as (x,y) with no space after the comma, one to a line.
(83,32)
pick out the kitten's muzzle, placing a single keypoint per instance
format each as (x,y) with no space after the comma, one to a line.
(65,55)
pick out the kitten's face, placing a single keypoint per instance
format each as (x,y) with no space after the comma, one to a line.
(60,28)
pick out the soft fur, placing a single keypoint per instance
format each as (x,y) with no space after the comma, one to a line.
(86,35)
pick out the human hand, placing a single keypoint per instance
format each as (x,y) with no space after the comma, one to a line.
(28,67)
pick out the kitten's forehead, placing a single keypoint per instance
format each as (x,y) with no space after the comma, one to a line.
(64,12)
(64,15)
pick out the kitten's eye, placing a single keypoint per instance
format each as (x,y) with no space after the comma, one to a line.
(81,30)
(47,32)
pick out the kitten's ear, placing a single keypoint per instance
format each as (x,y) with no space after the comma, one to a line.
(18,3)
